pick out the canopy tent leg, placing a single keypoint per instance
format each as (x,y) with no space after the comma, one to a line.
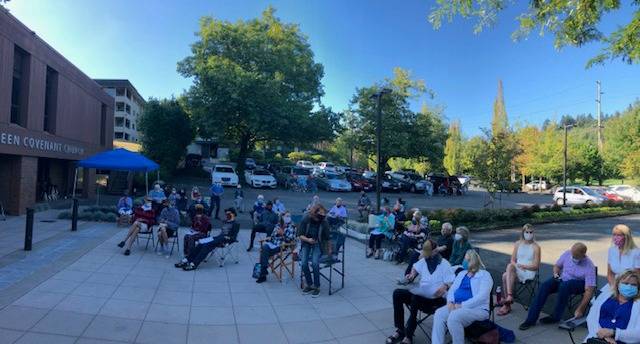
(158,176)
(75,182)
(146,181)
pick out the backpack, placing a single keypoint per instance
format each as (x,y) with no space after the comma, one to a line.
(256,270)
(483,332)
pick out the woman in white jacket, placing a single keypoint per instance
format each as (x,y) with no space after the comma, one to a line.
(467,301)
(617,319)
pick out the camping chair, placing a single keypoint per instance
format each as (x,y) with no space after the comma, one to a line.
(148,234)
(527,289)
(229,248)
(571,324)
(478,324)
(174,240)
(283,260)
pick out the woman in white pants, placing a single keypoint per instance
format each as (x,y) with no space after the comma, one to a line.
(467,301)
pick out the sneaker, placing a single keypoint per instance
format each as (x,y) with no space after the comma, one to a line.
(180,264)
(121,244)
(315,293)
(249,249)
(127,252)
(307,290)
(261,279)
(189,267)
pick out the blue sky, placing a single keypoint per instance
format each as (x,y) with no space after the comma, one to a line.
(359,42)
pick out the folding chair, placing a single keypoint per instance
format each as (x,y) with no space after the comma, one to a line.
(527,289)
(174,240)
(571,324)
(229,248)
(574,300)
(148,234)
(123,220)
(282,261)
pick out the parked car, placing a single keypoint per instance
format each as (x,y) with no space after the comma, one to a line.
(225,174)
(260,178)
(249,163)
(536,185)
(369,175)
(389,184)
(332,182)
(509,186)
(627,192)
(450,183)
(290,174)
(304,164)
(610,195)
(327,167)
(359,183)
(578,195)
(410,181)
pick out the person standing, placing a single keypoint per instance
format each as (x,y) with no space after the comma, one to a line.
(364,205)
(238,199)
(313,234)
(216,193)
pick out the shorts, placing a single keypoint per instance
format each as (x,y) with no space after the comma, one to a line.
(143,226)
(170,231)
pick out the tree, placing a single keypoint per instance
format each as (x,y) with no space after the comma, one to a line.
(499,122)
(166,132)
(472,150)
(255,81)
(623,143)
(528,141)
(548,155)
(453,150)
(573,23)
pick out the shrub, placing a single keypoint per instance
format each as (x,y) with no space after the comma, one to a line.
(535,208)
(435,225)
(98,216)
(110,217)
(85,216)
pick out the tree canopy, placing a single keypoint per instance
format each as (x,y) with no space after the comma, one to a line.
(255,81)
(573,23)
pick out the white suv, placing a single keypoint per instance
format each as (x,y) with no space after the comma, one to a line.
(578,195)
(225,175)
(304,164)
(327,167)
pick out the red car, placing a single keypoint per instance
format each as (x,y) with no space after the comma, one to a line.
(359,183)
(610,196)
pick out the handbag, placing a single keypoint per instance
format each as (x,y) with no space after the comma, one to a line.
(256,270)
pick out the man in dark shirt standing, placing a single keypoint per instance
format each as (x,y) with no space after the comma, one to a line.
(267,220)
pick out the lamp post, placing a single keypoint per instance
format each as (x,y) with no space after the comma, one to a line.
(564,166)
(378,97)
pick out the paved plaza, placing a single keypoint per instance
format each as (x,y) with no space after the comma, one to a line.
(91,293)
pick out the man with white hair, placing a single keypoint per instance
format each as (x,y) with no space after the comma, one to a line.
(337,215)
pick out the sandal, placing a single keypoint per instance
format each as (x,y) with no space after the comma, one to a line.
(504,310)
(395,338)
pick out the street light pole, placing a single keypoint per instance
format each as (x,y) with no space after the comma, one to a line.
(378,97)
(564,167)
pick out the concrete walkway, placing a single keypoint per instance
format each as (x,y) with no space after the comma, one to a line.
(103,296)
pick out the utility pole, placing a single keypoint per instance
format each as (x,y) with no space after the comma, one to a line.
(599,114)
(378,96)
(564,167)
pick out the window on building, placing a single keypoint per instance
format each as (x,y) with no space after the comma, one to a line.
(126,136)
(51,101)
(120,106)
(120,91)
(127,123)
(19,87)
(128,93)
(103,125)
(118,135)
(119,121)
(128,107)
(133,126)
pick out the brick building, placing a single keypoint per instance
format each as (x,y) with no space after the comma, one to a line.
(51,115)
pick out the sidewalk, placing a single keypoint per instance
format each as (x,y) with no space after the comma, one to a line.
(104,296)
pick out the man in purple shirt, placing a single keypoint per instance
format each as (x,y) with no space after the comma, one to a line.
(573,274)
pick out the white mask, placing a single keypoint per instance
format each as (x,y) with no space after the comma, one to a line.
(528,236)
(457,237)
(287,219)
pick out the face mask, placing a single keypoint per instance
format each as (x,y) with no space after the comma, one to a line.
(628,290)
(287,219)
(528,236)
(457,237)
(146,206)
(619,240)
(465,263)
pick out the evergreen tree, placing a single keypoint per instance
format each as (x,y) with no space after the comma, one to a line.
(453,150)
(499,122)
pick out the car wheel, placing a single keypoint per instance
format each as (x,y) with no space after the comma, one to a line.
(558,201)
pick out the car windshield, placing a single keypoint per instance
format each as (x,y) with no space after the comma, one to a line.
(261,173)
(334,176)
(224,169)
(329,165)
(301,171)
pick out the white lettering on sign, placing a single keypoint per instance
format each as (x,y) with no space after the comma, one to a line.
(39,144)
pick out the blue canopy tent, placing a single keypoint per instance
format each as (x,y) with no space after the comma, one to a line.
(118,159)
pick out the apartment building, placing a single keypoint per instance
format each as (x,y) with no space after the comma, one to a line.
(128,105)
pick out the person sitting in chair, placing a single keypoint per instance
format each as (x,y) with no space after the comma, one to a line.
(364,205)
(200,227)
(337,215)
(617,319)
(202,250)
(412,237)
(168,224)
(573,274)
(386,223)
(285,232)
(467,301)
(266,221)
(143,218)
(314,235)
(125,204)
(435,278)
